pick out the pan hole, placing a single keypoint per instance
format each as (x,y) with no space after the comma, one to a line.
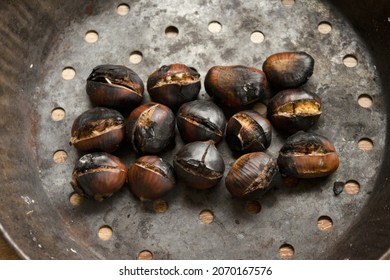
(160,206)
(206,217)
(286,251)
(105,233)
(324,223)
(350,61)
(60,156)
(365,101)
(352,187)
(365,144)
(324,27)
(91,36)
(75,199)
(136,57)
(68,73)
(122,9)
(145,255)
(215,27)
(253,207)
(288,3)
(57,114)
(260,108)
(171,31)
(257,37)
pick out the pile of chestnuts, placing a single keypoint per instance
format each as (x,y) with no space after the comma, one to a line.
(150,129)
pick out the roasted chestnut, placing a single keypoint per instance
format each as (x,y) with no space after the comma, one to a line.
(150,128)
(174,85)
(288,69)
(199,165)
(114,86)
(201,120)
(98,129)
(248,131)
(98,175)
(250,173)
(307,155)
(235,86)
(150,177)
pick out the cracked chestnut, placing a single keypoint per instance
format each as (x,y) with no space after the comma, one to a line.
(150,177)
(288,69)
(248,131)
(114,86)
(201,120)
(235,86)
(98,129)
(174,85)
(294,109)
(150,128)
(307,155)
(199,165)
(250,173)
(98,175)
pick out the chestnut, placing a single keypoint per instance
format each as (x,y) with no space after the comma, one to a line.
(199,165)
(248,131)
(307,155)
(292,110)
(235,86)
(200,120)
(288,69)
(98,129)
(150,177)
(250,173)
(150,128)
(174,85)
(98,175)
(114,86)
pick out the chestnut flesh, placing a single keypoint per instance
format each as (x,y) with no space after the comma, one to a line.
(248,131)
(201,120)
(98,129)
(98,175)
(150,128)
(199,165)
(174,85)
(150,177)
(250,173)
(307,155)
(114,86)
(235,86)
(292,110)
(288,69)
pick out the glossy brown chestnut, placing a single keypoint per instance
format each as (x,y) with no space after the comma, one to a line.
(253,172)
(288,69)
(98,129)
(248,131)
(98,175)
(199,165)
(150,128)
(114,86)
(307,155)
(174,85)
(235,86)
(150,177)
(201,120)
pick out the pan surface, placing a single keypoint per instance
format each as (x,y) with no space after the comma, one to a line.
(49,50)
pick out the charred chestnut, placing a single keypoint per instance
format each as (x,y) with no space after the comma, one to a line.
(199,165)
(248,131)
(98,129)
(288,69)
(98,175)
(150,177)
(114,86)
(150,128)
(235,86)
(201,120)
(307,155)
(253,172)
(174,85)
